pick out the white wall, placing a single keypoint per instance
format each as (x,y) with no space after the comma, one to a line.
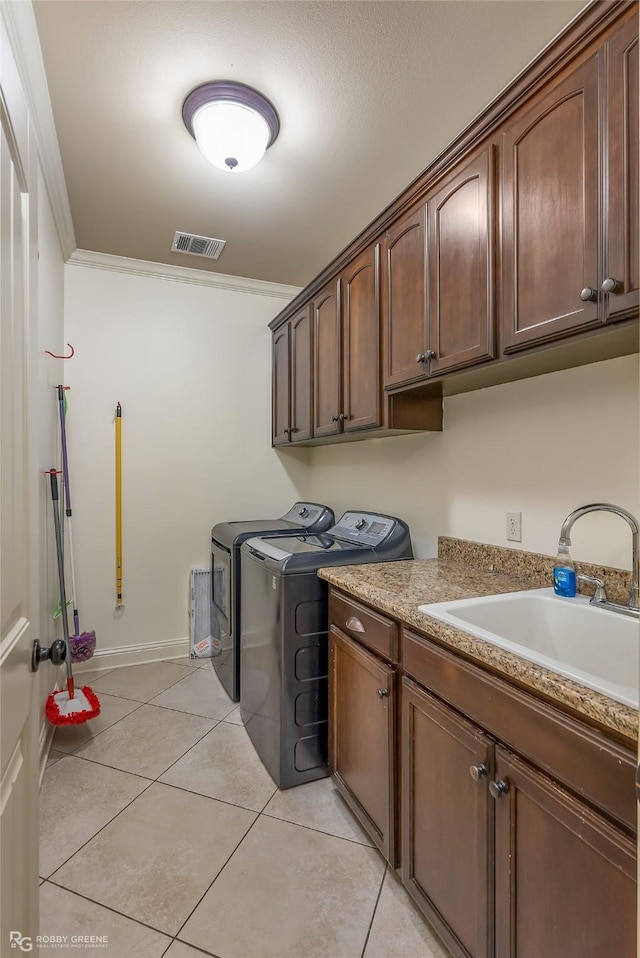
(540,446)
(191,366)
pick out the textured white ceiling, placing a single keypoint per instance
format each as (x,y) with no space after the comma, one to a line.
(368,94)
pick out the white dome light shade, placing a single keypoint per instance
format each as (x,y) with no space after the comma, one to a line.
(232,124)
(230,136)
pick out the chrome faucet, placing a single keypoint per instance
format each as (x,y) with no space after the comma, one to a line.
(600,597)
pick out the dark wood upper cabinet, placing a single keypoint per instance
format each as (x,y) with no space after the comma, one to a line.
(404,299)
(292,380)
(621,253)
(461,218)
(447,819)
(347,393)
(550,224)
(301,376)
(281,391)
(361,394)
(521,236)
(362,733)
(327,360)
(565,877)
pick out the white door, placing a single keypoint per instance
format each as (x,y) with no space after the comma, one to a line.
(19,709)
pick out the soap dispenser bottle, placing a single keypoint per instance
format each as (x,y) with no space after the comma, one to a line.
(564,572)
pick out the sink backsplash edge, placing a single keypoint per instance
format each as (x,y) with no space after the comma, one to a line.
(532,566)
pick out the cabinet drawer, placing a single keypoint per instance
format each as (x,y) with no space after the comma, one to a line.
(570,751)
(369,628)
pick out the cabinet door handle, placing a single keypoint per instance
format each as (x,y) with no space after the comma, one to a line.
(355,624)
(611,285)
(334,419)
(343,417)
(589,295)
(478,771)
(498,789)
(383,693)
(431,354)
(421,358)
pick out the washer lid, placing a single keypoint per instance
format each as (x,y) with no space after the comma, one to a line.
(284,547)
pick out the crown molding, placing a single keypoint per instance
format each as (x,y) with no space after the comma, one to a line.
(180,274)
(20,24)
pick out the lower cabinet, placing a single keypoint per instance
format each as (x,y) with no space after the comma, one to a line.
(565,878)
(447,819)
(492,847)
(528,855)
(362,723)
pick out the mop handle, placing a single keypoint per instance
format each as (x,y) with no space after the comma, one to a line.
(63,596)
(65,461)
(118,505)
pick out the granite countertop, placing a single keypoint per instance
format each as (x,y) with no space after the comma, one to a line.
(398,588)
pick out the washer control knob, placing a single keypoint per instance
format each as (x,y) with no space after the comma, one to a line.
(360,524)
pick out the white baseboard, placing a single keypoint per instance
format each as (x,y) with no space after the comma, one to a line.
(105,659)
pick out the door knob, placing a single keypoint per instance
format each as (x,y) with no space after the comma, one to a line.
(56,653)
(334,419)
(383,693)
(431,354)
(478,771)
(343,417)
(589,294)
(421,358)
(498,789)
(611,285)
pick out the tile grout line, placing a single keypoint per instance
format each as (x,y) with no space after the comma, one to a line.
(71,891)
(319,831)
(375,908)
(217,875)
(98,734)
(84,844)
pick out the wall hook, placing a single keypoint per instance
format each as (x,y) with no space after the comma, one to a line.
(70,356)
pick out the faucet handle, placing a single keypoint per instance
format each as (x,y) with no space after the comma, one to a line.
(599,595)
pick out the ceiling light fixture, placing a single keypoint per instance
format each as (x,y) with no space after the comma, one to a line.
(232,123)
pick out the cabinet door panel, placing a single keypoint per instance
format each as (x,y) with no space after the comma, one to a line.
(281,396)
(405,298)
(565,877)
(622,256)
(362,736)
(327,360)
(550,213)
(301,376)
(446,819)
(361,342)
(461,242)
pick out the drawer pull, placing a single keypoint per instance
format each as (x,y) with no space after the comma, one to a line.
(498,789)
(383,693)
(355,624)
(478,771)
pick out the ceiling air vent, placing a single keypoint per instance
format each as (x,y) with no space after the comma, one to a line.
(197,245)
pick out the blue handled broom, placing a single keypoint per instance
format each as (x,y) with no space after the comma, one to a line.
(82,644)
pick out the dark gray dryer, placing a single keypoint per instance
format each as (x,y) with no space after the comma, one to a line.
(284,636)
(226,540)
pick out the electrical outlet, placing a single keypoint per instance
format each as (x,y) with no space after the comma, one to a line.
(514,527)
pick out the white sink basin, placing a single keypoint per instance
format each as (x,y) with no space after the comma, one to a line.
(595,647)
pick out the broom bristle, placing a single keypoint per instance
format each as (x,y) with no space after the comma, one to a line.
(82,646)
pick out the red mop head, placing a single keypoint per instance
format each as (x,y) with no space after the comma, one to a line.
(62,710)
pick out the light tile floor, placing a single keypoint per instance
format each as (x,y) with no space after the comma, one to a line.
(162,830)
